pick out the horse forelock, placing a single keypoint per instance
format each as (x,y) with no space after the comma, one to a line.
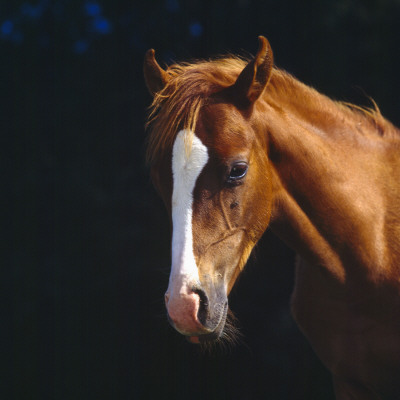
(176,107)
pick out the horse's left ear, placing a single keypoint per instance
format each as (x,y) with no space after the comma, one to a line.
(255,76)
(156,78)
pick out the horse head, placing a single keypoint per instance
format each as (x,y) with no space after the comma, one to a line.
(209,164)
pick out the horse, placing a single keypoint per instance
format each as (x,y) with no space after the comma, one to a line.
(236,146)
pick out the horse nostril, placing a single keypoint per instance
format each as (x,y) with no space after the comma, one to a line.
(166,298)
(203,311)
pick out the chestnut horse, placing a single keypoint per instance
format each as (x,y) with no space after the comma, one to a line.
(237,146)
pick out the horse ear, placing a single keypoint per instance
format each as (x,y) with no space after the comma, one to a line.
(155,77)
(255,76)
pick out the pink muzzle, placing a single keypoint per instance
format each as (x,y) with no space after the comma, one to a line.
(183,307)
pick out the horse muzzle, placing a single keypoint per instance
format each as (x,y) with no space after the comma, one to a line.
(197,312)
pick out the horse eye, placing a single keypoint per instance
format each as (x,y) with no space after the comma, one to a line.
(238,171)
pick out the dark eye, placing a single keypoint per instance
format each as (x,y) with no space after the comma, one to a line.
(237,172)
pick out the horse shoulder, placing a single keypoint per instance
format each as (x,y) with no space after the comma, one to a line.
(356,339)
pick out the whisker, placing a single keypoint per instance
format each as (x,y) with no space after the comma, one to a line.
(230,337)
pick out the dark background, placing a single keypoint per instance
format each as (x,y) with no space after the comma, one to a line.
(87,239)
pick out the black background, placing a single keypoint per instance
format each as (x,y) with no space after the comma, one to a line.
(86,237)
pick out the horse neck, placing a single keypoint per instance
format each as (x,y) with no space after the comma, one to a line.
(326,164)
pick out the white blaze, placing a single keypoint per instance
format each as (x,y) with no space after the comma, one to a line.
(186,168)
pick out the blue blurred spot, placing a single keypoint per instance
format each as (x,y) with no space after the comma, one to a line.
(92,9)
(7,27)
(81,46)
(31,11)
(196,29)
(172,5)
(101,25)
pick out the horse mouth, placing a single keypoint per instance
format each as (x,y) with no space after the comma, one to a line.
(215,334)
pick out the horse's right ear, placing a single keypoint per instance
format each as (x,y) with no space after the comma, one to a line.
(155,77)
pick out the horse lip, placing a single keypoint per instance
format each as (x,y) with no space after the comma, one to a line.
(217,332)
(186,334)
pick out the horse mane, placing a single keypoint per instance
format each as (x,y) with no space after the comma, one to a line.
(177,105)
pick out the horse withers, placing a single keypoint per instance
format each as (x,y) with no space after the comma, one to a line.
(236,146)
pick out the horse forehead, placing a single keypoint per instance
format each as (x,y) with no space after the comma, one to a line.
(223,128)
(189,156)
(223,115)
